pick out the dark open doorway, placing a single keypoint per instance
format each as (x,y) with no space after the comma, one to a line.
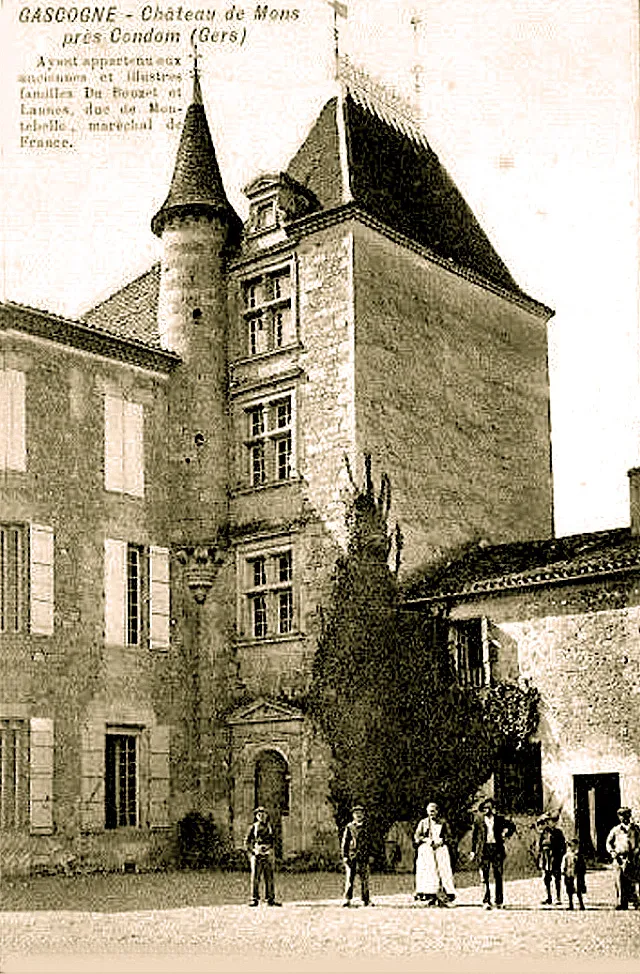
(597,799)
(272,790)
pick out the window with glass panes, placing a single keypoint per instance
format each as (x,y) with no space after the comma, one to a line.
(13,615)
(121,780)
(14,797)
(268,311)
(269,440)
(269,594)
(136,585)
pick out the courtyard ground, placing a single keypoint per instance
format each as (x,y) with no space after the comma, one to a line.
(196,922)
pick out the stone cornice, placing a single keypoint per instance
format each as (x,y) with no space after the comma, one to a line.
(324,219)
(87,338)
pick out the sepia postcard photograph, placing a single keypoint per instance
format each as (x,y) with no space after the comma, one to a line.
(319,486)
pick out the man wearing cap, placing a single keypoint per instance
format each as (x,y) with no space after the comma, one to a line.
(551,849)
(356,849)
(260,847)
(487,845)
(623,845)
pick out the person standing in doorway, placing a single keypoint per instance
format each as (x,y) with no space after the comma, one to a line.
(487,848)
(551,848)
(356,849)
(260,847)
(623,845)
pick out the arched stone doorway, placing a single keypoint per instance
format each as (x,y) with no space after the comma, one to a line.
(271,784)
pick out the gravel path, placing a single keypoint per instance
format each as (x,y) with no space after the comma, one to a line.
(315,930)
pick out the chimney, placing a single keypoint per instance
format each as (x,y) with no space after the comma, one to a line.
(634,500)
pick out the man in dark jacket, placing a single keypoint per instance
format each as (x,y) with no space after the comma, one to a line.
(356,849)
(551,849)
(487,844)
(260,847)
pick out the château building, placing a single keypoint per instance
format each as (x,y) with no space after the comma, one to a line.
(172,478)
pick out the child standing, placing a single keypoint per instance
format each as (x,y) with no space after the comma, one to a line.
(574,870)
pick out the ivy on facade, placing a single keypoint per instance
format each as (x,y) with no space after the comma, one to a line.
(384,693)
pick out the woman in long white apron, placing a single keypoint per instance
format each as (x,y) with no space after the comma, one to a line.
(433,863)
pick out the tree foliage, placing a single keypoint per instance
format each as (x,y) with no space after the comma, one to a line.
(384,693)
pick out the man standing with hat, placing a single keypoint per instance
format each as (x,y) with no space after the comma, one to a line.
(623,845)
(551,849)
(487,845)
(356,849)
(260,847)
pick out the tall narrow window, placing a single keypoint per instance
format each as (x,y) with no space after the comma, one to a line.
(135,557)
(121,780)
(259,616)
(12,578)
(136,587)
(13,774)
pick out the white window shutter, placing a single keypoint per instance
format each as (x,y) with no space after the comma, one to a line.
(134,449)
(5,418)
(159,777)
(92,770)
(115,591)
(16,443)
(486,651)
(113,443)
(41,579)
(41,775)
(160,597)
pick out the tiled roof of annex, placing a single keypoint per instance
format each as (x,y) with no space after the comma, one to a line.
(524,564)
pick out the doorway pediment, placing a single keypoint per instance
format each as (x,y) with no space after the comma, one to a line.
(264,712)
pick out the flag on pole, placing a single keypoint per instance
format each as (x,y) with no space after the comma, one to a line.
(339,8)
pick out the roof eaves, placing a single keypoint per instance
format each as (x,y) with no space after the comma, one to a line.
(322,219)
(511,583)
(84,336)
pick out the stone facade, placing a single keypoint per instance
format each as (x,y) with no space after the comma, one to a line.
(182,485)
(565,616)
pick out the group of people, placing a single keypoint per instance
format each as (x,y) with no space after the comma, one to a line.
(558,859)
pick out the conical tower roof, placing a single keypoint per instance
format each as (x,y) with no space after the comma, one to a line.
(196,187)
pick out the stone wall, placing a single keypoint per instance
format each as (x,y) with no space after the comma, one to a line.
(66,676)
(452,400)
(579,645)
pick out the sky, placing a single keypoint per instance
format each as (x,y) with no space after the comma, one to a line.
(531,105)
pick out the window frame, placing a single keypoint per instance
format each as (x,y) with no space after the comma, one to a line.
(14,813)
(266,306)
(14,572)
(465,635)
(269,439)
(266,575)
(113,804)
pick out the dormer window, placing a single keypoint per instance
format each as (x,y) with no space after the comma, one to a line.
(265,215)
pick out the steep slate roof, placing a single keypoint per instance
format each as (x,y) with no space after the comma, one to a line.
(131,311)
(197,185)
(394,175)
(525,564)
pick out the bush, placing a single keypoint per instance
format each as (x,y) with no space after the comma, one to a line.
(201,845)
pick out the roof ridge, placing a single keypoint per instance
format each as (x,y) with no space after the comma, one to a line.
(381,99)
